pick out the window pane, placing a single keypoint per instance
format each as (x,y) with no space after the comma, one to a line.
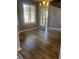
(26,12)
(43,16)
(29,13)
(32,13)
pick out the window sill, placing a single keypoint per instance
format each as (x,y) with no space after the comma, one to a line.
(29,23)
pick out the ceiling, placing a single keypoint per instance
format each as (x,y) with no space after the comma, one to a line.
(42,0)
(56,3)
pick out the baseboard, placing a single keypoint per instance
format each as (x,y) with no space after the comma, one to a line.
(28,29)
(55,28)
(19,49)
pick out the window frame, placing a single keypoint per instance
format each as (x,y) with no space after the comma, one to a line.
(27,23)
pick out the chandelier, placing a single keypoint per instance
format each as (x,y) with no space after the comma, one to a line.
(44,4)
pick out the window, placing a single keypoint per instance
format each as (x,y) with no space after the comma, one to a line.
(43,16)
(29,13)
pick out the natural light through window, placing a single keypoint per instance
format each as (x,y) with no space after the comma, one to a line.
(43,16)
(29,13)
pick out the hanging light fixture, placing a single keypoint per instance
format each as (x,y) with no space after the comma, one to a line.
(44,4)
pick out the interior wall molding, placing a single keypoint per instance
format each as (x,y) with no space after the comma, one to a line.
(28,29)
(54,28)
(19,49)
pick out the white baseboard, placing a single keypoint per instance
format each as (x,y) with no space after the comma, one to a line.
(28,29)
(55,28)
(19,49)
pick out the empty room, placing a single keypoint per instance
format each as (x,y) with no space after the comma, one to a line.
(39,29)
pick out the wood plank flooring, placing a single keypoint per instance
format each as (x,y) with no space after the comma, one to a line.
(38,44)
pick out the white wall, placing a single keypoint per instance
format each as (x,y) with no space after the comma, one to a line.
(20,14)
(18,43)
(54,17)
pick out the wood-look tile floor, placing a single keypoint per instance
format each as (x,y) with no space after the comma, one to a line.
(38,44)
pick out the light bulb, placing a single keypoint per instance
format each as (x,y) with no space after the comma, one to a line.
(40,4)
(44,2)
(47,4)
